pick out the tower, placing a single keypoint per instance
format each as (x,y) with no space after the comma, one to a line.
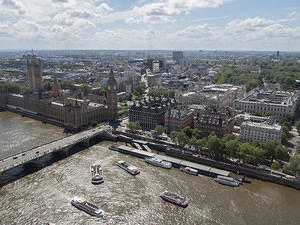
(56,87)
(34,73)
(111,93)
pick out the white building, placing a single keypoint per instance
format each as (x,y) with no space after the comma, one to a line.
(216,96)
(277,103)
(155,66)
(252,131)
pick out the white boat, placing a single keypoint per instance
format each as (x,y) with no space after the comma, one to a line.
(174,198)
(230,181)
(129,168)
(158,162)
(87,207)
(189,170)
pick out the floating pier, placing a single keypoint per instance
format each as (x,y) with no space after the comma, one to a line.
(205,170)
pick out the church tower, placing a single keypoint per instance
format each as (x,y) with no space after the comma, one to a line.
(111,93)
(34,73)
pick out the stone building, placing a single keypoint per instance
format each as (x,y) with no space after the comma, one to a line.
(215,96)
(150,112)
(178,118)
(252,131)
(211,120)
(72,113)
(275,103)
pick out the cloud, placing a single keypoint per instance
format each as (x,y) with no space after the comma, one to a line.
(60,1)
(12,7)
(259,33)
(293,16)
(164,11)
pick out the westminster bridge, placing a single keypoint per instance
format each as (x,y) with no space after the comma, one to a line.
(64,145)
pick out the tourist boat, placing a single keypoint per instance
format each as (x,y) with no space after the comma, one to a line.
(189,170)
(174,198)
(87,207)
(97,174)
(158,162)
(129,168)
(230,181)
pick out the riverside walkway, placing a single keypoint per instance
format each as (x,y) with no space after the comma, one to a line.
(62,144)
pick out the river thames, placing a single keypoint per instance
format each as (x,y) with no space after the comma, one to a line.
(45,195)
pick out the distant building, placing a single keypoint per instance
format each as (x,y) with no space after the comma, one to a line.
(155,66)
(276,103)
(153,79)
(178,118)
(210,120)
(150,112)
(178,57)
(215,96)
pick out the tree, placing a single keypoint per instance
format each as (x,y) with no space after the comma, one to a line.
(134,126)
(196,133)
(193,142)
(257,114)
(67,84)
(182,138)
(214,147)
(174,135)
(298,125)
(12,87)
(275,165)
(159,130)
(188,131)
(202,144)
(232,148)
(293,167)
(139,90)
(270,148)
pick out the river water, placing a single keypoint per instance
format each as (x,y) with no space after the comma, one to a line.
(45,195)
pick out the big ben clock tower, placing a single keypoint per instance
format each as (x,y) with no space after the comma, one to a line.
(112,99)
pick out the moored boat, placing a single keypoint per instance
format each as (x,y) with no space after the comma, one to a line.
(113,147)
(97,174)
(174,198)
(158,162)
(245,180)
(230,181)
(87,207)
(129,168)
(189,170)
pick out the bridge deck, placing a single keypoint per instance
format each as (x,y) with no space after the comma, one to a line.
(37,152)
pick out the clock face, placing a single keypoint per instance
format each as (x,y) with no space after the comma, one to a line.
(115,87)
(108,87)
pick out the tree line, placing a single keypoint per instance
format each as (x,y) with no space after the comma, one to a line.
(284,72)
(230,147)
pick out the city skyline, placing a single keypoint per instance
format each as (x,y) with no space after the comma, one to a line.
(231,25)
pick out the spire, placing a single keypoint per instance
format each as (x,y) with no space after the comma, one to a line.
(111,73)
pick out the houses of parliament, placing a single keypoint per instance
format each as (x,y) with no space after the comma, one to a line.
(69,112)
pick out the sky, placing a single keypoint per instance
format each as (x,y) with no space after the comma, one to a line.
(150,24)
